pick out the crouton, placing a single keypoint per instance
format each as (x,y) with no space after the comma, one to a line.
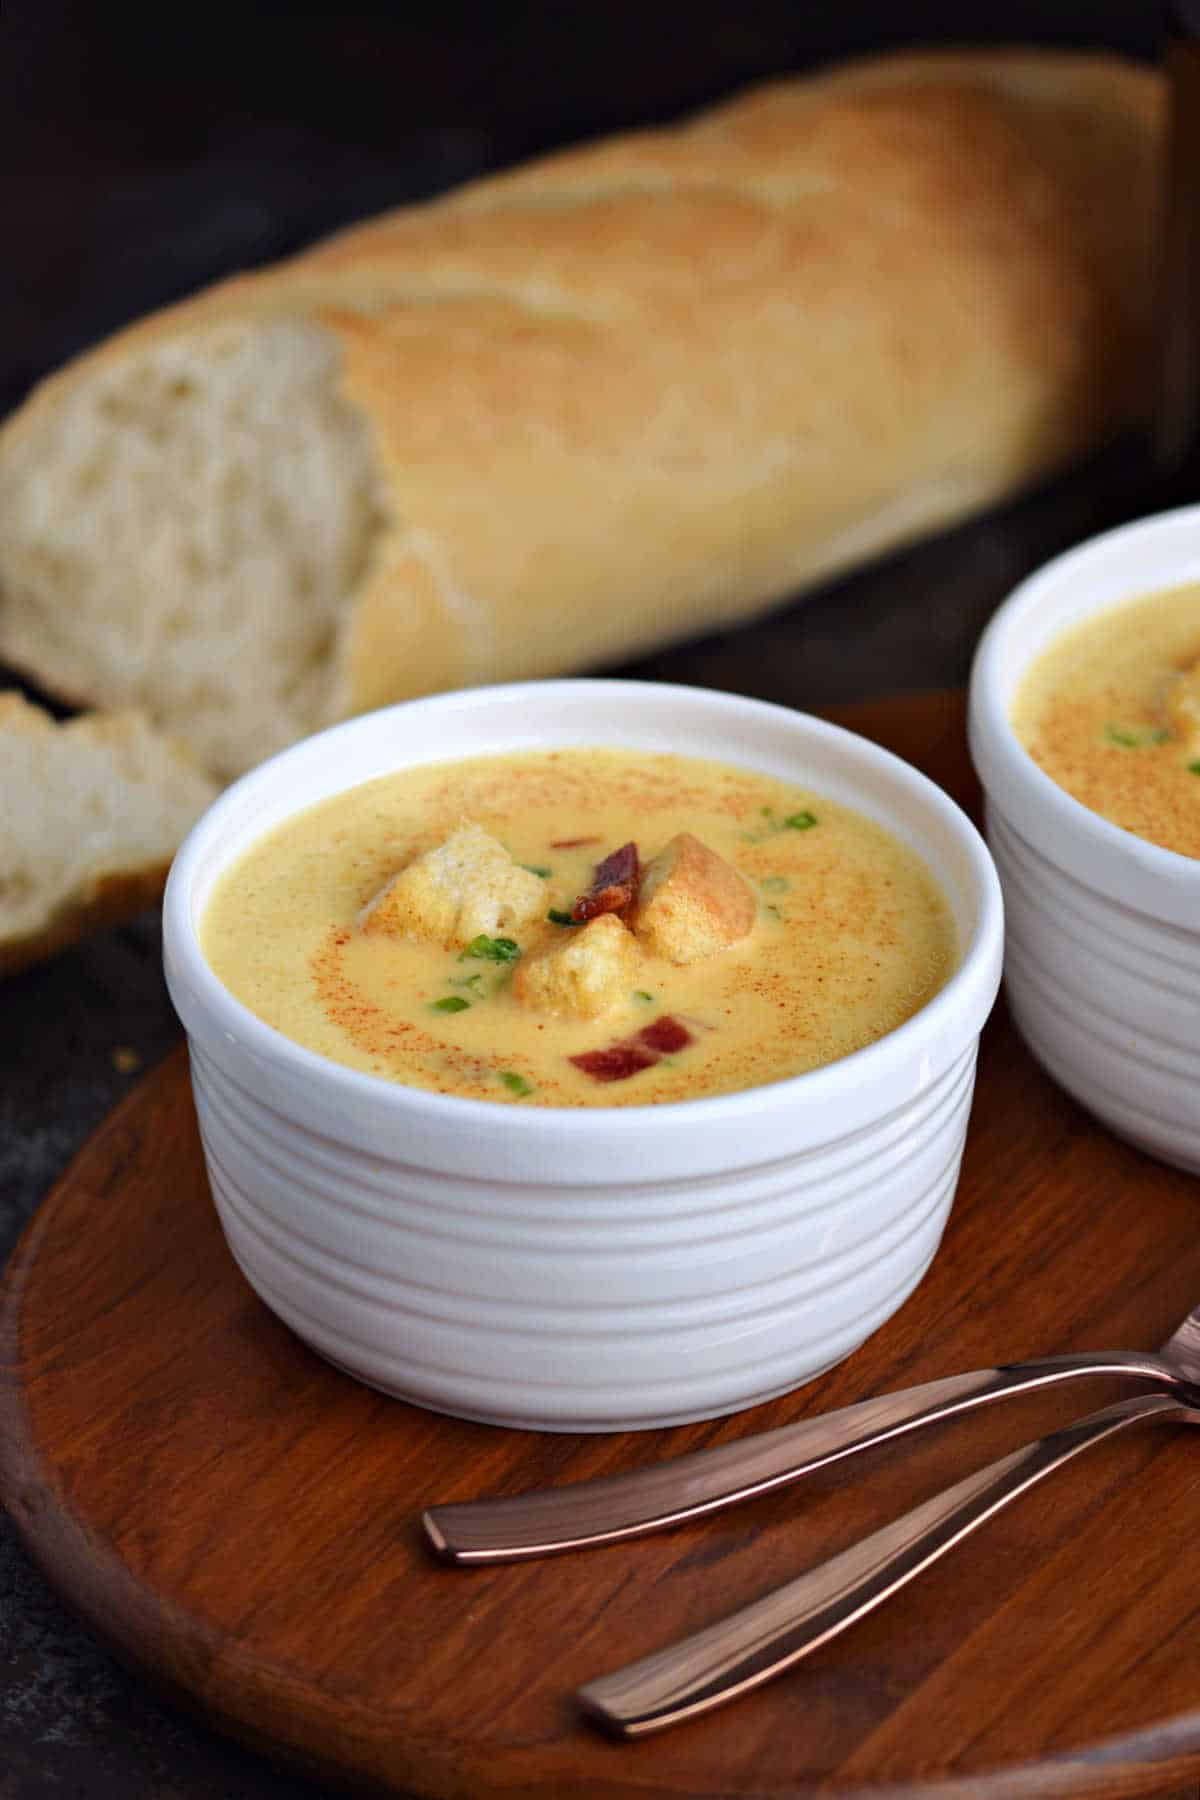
(460,889)
(1183,707)
(585,972)
(692,903)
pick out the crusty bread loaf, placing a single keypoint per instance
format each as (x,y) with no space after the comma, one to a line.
(611,398)
(93,811)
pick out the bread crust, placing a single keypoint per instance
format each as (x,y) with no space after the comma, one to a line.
(659,383)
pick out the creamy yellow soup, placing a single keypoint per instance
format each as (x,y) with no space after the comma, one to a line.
(1111,711)
(850,935)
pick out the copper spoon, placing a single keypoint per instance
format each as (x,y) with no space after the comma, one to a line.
(542,1521)
(762,1640)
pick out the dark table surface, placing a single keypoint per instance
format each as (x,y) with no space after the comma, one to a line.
(138,160)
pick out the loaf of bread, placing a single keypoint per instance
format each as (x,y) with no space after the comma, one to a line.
(620,395)
(92,813)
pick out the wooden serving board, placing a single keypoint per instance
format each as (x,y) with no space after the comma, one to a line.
(240,1521)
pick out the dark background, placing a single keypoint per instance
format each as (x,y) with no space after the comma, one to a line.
(147,149)
(143,152)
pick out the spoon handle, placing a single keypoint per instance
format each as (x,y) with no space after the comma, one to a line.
(613,1507)
(760,1641)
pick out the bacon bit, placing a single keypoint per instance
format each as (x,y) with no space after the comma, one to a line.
(619,866)
(612,899)
(616,1063)
(629,1055)
(614,885)
(572,843)
(665,1036)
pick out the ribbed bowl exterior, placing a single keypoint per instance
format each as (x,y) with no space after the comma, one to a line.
(1106,997)
(1102,929)
(585,1269)
(462,1294)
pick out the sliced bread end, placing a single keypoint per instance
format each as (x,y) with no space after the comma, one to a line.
(93,811)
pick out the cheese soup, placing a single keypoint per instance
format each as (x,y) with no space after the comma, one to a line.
(1111,712)
(775,932)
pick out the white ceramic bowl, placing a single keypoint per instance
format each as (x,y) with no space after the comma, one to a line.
(579,1269)
(1102,958)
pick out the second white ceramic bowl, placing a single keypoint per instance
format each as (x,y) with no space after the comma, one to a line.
(585,1269)
(1102,953)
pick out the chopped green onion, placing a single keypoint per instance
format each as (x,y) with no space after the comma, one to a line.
(797,821)
(557,917)
(474,982)
(775,884)
(1134,740)
(538,869)
(1194,767)
(501,950)
(516,1084)
(450,1003)
(645,998)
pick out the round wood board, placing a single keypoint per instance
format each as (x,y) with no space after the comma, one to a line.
(239,1520)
